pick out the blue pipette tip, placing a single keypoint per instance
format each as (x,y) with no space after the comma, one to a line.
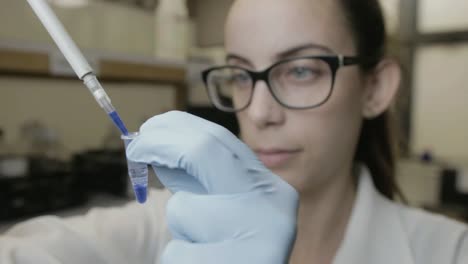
(118,122)
(140,193)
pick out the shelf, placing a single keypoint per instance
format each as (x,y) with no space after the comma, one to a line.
(24,62)
(38,63)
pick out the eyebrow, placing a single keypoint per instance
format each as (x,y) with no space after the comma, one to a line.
(232,56)
(284,54)
(293,51)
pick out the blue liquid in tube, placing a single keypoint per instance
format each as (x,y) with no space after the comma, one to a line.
(140,193)
(138,172)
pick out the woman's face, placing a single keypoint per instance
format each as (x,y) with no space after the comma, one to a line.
(308,148)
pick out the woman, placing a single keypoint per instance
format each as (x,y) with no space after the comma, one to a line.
(317,117)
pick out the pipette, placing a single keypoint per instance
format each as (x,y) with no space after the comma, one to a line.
(84,71)
(75,58)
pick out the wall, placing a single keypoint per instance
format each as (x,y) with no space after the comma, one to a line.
(442,15)
(391,12)
(440,111)
(67,107)
(210,16)
(98,26)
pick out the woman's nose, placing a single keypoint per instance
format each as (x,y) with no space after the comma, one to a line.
(264,110)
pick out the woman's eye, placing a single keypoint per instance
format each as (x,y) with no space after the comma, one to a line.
(240,78)
(301,72)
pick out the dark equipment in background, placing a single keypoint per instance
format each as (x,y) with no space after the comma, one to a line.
(453,202)
(47,185)
(102,171)
(450,194)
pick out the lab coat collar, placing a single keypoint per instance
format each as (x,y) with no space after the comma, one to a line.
(375,234)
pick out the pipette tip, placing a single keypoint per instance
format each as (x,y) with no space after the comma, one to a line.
(118,122)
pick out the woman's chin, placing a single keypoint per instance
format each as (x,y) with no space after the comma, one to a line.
(293,179)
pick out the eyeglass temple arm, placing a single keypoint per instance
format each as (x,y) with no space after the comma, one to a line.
(345,60)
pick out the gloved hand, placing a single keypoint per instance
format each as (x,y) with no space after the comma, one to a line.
(227,207)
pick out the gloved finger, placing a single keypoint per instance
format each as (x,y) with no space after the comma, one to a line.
(217,171)
(178,180)
(209,218)
(211,154)
(186,122)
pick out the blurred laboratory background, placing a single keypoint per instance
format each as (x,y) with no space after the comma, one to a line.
(60,154)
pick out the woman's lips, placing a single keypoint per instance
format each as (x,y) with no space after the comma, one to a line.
(275,158)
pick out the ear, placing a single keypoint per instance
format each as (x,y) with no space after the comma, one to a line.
(381,87)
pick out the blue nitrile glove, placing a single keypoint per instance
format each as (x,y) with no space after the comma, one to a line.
(227,207)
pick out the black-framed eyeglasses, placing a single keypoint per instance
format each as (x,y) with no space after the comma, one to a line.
(296,83)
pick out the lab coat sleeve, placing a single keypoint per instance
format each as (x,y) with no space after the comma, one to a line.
(131,234)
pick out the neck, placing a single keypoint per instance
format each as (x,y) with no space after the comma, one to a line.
(322,220)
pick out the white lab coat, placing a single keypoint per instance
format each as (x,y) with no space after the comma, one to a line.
(379,232)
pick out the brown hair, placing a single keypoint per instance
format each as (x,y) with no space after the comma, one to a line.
(378,140)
